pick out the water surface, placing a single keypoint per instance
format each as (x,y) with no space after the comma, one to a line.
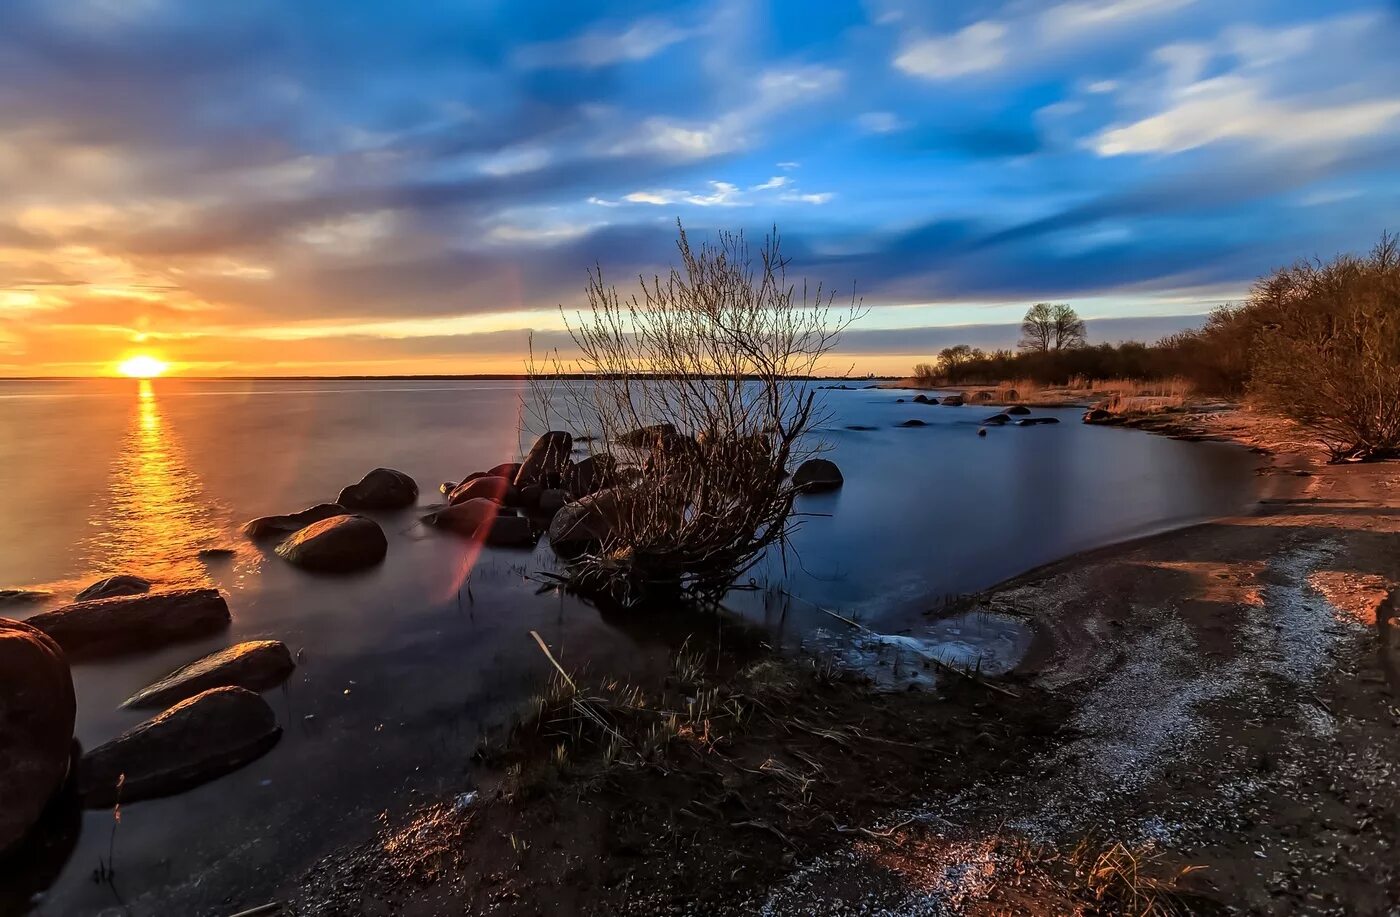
(403,667)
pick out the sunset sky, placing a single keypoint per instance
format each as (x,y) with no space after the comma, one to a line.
(351,187)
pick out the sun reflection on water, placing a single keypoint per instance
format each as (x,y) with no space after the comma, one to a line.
(156,519)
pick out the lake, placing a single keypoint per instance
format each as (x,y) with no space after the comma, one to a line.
(403,667)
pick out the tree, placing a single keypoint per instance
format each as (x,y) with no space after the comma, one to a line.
(950,358)
(1328,355)
(1051,326)
(698,380)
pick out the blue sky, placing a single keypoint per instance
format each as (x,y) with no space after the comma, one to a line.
(360,187)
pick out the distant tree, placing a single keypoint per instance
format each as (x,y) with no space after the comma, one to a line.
(1051,326)
(951,358)
(925,372)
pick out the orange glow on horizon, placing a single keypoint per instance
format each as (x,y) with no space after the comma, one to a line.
(142,366)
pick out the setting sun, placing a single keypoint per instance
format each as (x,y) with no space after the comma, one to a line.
(142,366)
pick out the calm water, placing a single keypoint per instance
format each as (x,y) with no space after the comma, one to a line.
(402,667)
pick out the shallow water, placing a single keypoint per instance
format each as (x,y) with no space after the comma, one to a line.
(401,668)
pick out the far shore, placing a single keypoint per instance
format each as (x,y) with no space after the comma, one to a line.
(1206,718)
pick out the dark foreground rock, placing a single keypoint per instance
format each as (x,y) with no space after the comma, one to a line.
(592,474)
(256,665)
(105,627)
(817,475)
(484,520)
(547,461)
(113,586)
(1036,421)
(588,522)
(270,526)
(381,489)
(37,709)
(340,544)
(488,486)
(1097,415)
(23,596)
(193,742)
(1018,410)
(997,420)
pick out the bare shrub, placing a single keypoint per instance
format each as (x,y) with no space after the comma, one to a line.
(1329,357)
(700,379)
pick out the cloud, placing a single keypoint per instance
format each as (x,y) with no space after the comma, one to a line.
(1071,20)
(600,48)
(977,48)
(880,122)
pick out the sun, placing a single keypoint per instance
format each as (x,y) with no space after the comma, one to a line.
(142,366)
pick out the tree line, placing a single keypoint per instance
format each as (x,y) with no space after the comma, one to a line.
(1318,341)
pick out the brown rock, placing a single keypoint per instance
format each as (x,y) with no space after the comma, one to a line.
(381,489)
(340,544)
(267,526)
(255,665)
(193,742)
(547,461)
(484,520)
(113,586)
(37,710)
(134,623)
(488,486)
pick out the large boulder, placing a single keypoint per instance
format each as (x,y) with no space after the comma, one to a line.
(134,623)
(588,522)
(643,437)
(193,742)
(816,475)
(488,486)
(113,586)
(1097,415)
(592,474)
(921,399)
(507,470)
(484,520)
(340,544)
(37,710)
(279,526)
(1018,409)
(381,489)
(552,501)
(547,460)
(255,665)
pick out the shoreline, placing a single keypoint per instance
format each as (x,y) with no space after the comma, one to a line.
(1108,710)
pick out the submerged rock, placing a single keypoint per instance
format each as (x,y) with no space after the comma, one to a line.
(484,519)
(113,586)
(1036,421)
(547,460)
(997,419)
(216,553)
(817,475)
(860,428)
(134,623)
(381,489)
(1017,410)
(255,665)
(488,486)
(23,596)
(981,431)
(193,742)
(268,526)
(340,544)
(912,423)
(37,710)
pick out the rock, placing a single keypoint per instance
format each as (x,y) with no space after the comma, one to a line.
(548,456)
(216,553)
(507,470)
(381,489)
(484,520)
(255,665)
(488,486)
(592,474)
(337,545)
(588,522)
(921,399)
(528,497)
(997,420)
(193,742)
(552,501)
(446,487)
(268,526)
(899,401)
(37,710)
(672,454)
(1018,409)
(644,437)
(1036,421)
(817,475)
(860,427)
(981,431)
(1097,415)
(913,423)
(134,623)
(953,401)
(113,586)
(23,596)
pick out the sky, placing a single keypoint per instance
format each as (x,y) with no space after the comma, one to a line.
(347,187)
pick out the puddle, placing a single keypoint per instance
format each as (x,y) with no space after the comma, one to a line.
(977,641)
